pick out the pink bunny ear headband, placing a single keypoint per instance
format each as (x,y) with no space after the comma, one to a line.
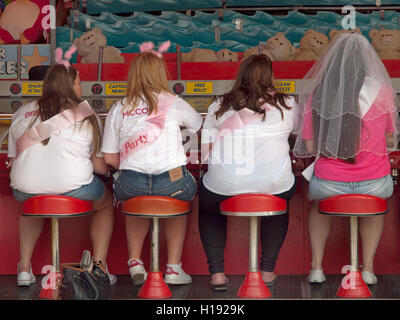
(68,55)
(149,46)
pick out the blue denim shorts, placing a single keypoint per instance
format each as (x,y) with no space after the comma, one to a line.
(133,184)
(321,188)
(91,192)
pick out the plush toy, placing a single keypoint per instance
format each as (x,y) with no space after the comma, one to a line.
(21,21)
(312,45)
(199,55)
(276,48)
(208,55)
(88,48)
(227,55)
(256,50)
(386,43)
(333,33)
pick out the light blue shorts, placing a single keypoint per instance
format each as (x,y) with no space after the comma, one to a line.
(91,192)
(321,188)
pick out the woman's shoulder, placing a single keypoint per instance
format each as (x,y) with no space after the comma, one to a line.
(27,110)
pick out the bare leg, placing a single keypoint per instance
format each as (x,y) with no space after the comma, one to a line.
(136,231)
(30,229)
(319,227)
(370,231)
(175,231)
(102,226)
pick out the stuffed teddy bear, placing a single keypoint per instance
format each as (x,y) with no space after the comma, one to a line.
(227,55)
(21,21)
(312,46)
(208,55)
(276,48)
(199,55)
(88,48)
(386,43)
(333,33)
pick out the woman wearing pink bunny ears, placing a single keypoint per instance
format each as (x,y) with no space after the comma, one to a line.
(66,163)
(142,139)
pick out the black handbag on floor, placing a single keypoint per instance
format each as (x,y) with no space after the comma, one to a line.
(80,282)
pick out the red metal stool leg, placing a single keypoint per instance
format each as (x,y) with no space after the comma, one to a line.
(353,285)
(155,286)
(253,285)
(51,289)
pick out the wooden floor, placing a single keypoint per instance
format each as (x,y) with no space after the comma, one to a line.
(287,287)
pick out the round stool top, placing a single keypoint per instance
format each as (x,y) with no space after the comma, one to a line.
(360,205)
(55,206)
(155,207)
(247,205)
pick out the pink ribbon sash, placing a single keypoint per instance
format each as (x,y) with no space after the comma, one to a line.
(53,125)
(238,120)
(151,133)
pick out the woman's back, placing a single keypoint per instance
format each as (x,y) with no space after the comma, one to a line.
(163,154)
(63,164)
(254,158)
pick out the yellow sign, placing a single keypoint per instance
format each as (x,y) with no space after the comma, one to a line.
(32,88)
(285,86)
(116,88)
(110,103)
(200,104)
(199,87)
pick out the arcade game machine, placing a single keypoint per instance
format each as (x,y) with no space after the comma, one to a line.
(215,25)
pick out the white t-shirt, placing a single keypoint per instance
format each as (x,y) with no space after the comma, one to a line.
(61,166)
(166,152)
(253,159)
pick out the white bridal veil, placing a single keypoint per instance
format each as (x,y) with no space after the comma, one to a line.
(337,93)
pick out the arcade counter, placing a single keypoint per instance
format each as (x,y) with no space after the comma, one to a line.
(295,256)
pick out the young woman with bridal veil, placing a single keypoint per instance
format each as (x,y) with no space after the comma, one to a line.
(349,121)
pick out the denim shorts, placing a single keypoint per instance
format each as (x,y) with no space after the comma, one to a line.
(321,188)
(91,192)
(133,184)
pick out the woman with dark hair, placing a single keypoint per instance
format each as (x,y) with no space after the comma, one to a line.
(62,164)
(350,116)
(249,158)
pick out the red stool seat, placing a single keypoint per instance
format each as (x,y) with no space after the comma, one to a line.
(247,205)
(155,207)
(55,206)
(253,205)
(358,205)
(353,206)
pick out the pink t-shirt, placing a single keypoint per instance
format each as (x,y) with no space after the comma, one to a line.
(372,162)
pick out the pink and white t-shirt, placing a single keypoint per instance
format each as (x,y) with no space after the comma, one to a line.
(163,154)
(372,162)
(64,164)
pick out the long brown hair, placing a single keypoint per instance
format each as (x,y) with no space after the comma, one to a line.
(253,87)
(59,95)
(147,77)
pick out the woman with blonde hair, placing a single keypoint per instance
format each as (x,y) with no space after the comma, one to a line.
(142,139)
(62,164)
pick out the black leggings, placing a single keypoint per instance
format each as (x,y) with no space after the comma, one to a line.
(212,226)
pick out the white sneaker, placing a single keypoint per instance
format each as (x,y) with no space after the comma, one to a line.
(175,275)
(369,278)
(316,276)
(137,271)
(25,278)
(113,277)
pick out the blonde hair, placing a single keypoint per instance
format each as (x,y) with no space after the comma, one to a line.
(147,77)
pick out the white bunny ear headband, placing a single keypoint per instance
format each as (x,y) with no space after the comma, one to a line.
(149,46)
